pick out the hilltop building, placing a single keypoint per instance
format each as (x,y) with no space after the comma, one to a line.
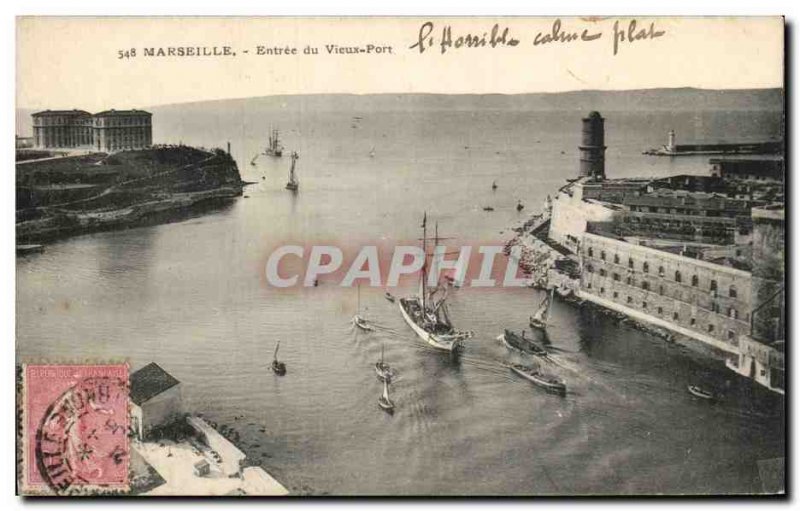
(107,131)
(700,256)
(115,130)
(57,129)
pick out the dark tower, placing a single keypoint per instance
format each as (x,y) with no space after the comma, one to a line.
(593,160)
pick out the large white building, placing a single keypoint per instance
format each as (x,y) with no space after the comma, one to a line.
(107,131)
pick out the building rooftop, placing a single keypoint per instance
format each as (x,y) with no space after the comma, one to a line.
(150,381)
(60,112)
(112,112)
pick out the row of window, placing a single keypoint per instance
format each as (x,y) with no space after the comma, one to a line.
(732,312)
(684,211)
(675,316)
(136,121)
(732,292)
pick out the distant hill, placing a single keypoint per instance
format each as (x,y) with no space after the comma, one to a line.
(606,101)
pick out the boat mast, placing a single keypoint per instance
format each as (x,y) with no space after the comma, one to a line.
(549,304)
(275,357)
(423,275)
(434,258)
(291,169)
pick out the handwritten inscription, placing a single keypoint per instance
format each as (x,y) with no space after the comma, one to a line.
(559,33)
(556,34)
(633,34)
(494,38)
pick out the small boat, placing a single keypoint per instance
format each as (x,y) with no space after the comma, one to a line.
(494,185)
(700,392)
(274,147)
(278,367)
(29,249)
(539,319)
(488,208)
(383,370)
(549,383)
(389,296)
(293,184)
(520,205)
(359,321)
(384,401)
(362,323)
(372,153)
(253,161)
(522,344)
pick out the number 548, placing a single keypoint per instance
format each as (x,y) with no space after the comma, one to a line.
(126,54)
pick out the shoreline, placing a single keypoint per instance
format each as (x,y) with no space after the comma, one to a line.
(169,210)
(98,192)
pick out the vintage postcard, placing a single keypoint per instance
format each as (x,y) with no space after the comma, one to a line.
(402,256)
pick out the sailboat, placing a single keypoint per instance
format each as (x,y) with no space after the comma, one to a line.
(427,314)
(540,317)
(278,367)
(494,185)
(274,147)
(372,153)
(359,321)
(383,370)
(384,401)
(520,205)
(293,184)
(253,161)
(524,345)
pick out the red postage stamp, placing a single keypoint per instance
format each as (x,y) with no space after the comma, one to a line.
(75,429)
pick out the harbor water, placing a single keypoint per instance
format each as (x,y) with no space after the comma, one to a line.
(191,296)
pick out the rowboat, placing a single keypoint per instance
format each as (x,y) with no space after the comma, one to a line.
(700,392)
(549,383)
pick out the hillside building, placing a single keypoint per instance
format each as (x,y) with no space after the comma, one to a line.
(107,131)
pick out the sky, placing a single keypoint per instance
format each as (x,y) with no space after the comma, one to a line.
(99,63)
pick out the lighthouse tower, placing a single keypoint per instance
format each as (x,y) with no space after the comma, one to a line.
(671,141)
(592,148)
